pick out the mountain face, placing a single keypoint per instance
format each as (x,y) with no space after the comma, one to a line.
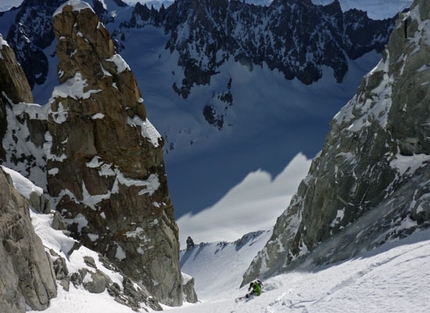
(14,83)
(93,150)
(217,75)
(295,37)
(370,183)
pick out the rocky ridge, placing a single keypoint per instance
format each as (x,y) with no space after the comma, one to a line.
(370,182)
(14,85)
(33,33)
(206,34)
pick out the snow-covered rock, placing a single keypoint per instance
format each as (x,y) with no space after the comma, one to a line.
(370,182)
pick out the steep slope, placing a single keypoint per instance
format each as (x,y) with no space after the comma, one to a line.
(216,267)
(391,278)
(370,182)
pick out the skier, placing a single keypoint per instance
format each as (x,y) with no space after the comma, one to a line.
(255,288)
(190,243)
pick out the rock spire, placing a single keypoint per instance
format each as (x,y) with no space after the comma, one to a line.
(105,159)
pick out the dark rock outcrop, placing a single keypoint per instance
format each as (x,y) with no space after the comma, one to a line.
(23,126)
(105,160)
(26,271)
(370,183)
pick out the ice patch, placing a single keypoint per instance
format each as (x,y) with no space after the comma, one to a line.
(120,63)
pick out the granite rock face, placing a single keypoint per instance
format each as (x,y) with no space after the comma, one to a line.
(105,160)
(14,86)
(370,182)
(26,272)
(13,81)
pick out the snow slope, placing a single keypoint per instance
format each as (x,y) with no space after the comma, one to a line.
(217,267)
(256,136)
(252,205)
(391,278)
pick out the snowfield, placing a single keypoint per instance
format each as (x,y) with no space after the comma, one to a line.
(391,278)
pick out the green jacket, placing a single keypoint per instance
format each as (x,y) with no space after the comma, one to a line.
(256,289)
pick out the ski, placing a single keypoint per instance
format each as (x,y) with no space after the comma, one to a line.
(244,298)
(239,299)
